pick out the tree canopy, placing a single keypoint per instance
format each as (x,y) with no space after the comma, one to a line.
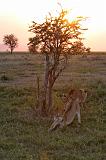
(56,38)
(57,35)
(11,41)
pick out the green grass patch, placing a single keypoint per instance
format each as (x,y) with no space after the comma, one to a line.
(23,136)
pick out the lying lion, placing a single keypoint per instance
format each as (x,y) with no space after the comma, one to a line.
(73,102)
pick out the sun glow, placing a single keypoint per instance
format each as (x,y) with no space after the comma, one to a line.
(18,14)
(30,10)
(27,10)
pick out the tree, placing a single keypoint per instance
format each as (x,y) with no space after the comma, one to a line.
(32,47)
(11,41)
(56,38)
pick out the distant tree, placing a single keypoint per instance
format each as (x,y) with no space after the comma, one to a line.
(11,41)
(56,38)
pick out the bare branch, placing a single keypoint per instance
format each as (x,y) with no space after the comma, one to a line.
(57,75)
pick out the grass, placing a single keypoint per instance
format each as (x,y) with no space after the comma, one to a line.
(23,136)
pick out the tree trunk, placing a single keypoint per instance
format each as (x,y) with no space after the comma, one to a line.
(49,80)
(46,72)
(49,98)
(44,103)
(11,50)
(38,92)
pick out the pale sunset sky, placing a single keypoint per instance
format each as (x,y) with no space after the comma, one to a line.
(17,15)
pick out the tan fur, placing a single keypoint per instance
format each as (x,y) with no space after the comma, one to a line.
(80,94)
(74,100)
(77,93)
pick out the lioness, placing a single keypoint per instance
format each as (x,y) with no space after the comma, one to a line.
(72,95)
(74,100)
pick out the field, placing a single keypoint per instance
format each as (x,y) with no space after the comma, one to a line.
(23,136)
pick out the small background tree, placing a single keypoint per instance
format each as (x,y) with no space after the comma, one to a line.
(11,41)
(56,38)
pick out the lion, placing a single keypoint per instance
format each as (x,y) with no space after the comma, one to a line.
(73,101)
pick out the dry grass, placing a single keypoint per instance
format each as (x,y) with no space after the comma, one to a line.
(23,136)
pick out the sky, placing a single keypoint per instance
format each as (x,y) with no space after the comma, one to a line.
(17,15)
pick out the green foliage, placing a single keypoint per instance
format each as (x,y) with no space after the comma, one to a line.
(58,103)
(24,136)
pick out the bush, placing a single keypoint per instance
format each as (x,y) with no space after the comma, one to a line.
(4,78)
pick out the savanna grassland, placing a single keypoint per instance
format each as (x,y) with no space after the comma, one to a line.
(23,136)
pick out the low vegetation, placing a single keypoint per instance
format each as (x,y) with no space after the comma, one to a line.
(23,136)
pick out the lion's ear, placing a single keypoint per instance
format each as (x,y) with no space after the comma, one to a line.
(82,90)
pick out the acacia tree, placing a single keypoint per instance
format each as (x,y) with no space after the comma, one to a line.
(11,41)
(56,38)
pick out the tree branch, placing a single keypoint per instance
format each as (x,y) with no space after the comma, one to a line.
(57,75)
